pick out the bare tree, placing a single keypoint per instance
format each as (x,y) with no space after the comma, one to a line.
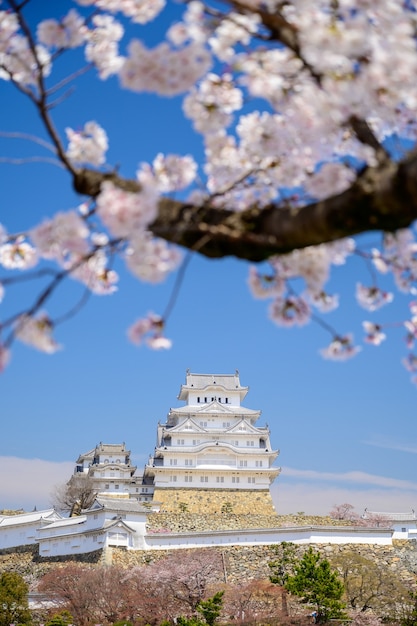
(77,494)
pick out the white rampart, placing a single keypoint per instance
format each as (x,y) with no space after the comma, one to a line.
(253,537)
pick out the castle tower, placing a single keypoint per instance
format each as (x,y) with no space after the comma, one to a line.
(210,455)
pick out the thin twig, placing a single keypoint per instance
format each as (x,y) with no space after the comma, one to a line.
(28,137)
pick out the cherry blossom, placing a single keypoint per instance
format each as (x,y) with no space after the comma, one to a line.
(69,33)
(123,212)
(289,311)
(173,172)
(141,11)
(149,330)
(163,70)
(95,274)
(372,298)
(340,349)
(102,45)
(18,254)
(37,332)
(88,145)
(374,334)
(151,259)
(296,106)
(64,234)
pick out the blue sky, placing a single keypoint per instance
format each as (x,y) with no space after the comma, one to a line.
(347,432)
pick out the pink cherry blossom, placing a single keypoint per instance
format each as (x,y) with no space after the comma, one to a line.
(372,298)
(125,213)
(265,285)
(95,274)
(18,254)
(37,332)
(65,234)
(340,349)
(289,311)
(149,330)
(173,172)
(88,145)
(69,33)
(374,334)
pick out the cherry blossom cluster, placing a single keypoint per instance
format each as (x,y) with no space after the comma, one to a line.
(274,111)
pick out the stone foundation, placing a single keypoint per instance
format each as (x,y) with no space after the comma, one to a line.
(215,501)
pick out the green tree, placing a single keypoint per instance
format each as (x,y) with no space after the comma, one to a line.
(281,568)
(63,618)
(316,583)
(14,607)
(211,608)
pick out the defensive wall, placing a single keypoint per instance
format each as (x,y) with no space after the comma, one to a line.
(215,501)
(241,563)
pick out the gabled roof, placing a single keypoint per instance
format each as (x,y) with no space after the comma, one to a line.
(393,517)
(48,515)
(228,382)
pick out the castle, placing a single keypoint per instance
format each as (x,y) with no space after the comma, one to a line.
(211,460)
(209,453)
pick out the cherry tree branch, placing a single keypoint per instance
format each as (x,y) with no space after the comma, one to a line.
(382,198)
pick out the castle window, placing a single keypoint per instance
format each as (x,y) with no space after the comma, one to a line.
(196,442)
(180,442)
(220,400)
(188,461)
(251,479)
(235,479)
(226,400)
(258,463)
(106,486)
(205,400)
(172,461)
(173,479)
(188,479)
(219,479)
(198,399)
(204,479)
(116,486)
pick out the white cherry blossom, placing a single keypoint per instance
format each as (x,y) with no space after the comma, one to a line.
(37,332)
(149,330)
(18,254)
(88,145)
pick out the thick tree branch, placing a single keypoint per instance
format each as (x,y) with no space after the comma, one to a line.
(382,198)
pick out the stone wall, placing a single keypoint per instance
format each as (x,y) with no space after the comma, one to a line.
(197,522)
(214,501)
(243,563)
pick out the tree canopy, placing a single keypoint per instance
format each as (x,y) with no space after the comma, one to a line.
(14,607)
(318,585)
(307,139)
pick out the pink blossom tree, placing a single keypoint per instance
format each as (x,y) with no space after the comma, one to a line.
(325,151)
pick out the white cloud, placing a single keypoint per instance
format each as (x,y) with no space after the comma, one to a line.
(389,445)
(27,483)
(316,493)
(356,477)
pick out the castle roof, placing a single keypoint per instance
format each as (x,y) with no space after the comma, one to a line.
(228,382)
